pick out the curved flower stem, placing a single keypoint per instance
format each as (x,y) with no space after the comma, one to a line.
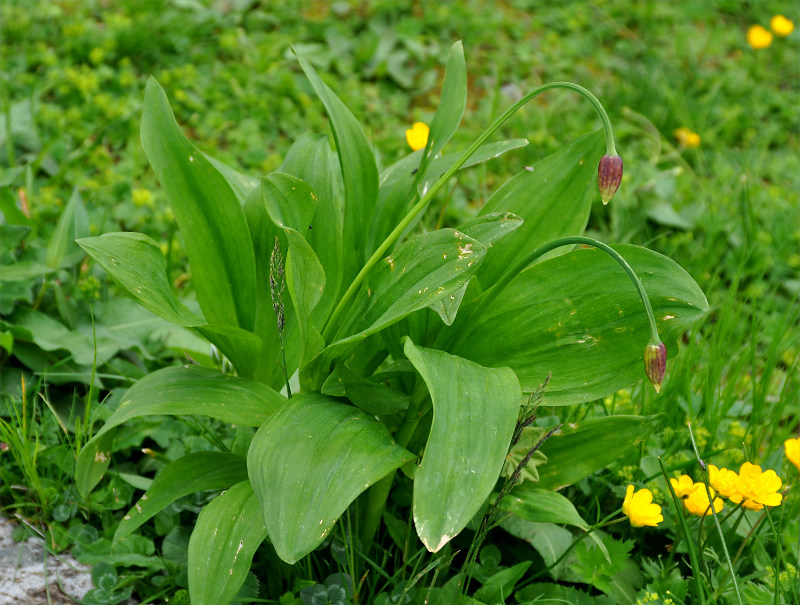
(333,321)
(491,294)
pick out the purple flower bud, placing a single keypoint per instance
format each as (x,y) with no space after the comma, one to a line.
(655,364)
(609,175)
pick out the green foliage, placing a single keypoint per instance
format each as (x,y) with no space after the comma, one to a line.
(72,167)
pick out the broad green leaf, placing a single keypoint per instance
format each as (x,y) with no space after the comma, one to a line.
(553,197)
(12,215)
(311,159)
(291,204)
(579,318)
(208,214)
(500,585)
(138,266)
(309,462)
(488,230)
(93,460)
(73,223)
(397,179)
(136,263)
(227,534)
(195,472)
(305,279)
(269,368)
(181,390)
(241,184)
(22,271)
(447,308)
(451,107)
(243,348)
(50,334)
(424,270)
(543,593)
(550,540)
(580,449)
(542,506)
(359,172)
(370,395)
(475,411)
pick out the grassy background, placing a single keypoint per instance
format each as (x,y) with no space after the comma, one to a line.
(728,211)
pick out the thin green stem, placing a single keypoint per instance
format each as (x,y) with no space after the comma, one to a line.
(491,294)
(694,557)
(333,321)
(714,514)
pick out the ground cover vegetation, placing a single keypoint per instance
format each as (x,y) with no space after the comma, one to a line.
(431,471)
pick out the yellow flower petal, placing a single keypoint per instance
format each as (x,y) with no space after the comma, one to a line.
(682,485)
(791,448)
(697,501)
(781,25)
(758,37)
(417,136)
(640,509)
(757,487)
(725,482)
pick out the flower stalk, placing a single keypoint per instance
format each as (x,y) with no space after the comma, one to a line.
(491,294)
(277,284)
(611,150)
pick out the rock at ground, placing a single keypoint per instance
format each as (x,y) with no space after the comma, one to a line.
(28,573)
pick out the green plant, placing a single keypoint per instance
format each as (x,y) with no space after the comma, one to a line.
(430,348)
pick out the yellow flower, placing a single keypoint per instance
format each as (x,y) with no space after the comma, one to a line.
(697,501)
(417,136)
(781,25)
(757,488)
(640,509)
(792,451)
(682,485)
(687,138)
(724,481)
(758,37)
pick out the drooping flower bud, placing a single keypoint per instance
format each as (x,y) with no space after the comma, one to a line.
(655,364)
(609,175)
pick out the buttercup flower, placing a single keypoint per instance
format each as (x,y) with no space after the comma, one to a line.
(417,135)
(682,485)
(724,481)
(640,509)
(687,138)
(791,448)
(781,25)
(757,489)
(697,501)
(758,37)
